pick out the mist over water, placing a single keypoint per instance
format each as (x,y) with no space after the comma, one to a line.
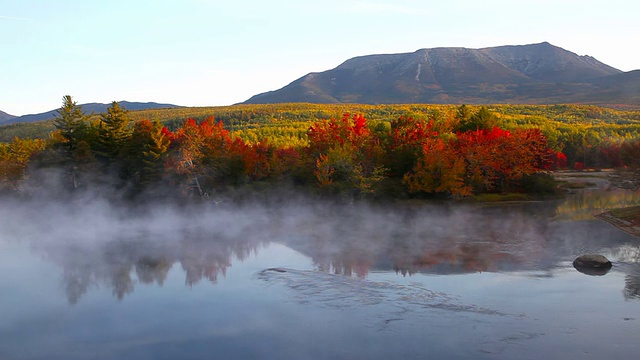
(271,272)
(95,241)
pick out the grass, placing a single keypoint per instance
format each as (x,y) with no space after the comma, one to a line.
(630,214)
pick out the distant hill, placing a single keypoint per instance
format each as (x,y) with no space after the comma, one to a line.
(5,117)
(88,108)
(536,73)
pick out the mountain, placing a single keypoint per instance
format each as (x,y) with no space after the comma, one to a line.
(87,108)
(5,117)
(536,73)
(625,86)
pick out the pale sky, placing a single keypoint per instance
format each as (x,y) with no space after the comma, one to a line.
(214,52)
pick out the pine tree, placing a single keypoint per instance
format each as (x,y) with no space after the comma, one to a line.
(483,119)
(146,152)
(113,133)
(70,122)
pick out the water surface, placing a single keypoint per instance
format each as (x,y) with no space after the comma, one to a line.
(310,280)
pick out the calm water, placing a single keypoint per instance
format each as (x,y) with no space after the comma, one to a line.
(319,282)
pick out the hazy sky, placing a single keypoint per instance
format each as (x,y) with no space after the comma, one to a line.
(220,52)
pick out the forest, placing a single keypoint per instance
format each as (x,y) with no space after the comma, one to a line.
(346,150)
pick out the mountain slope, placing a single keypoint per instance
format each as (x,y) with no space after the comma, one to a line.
(88,108)
(536,73)
(5,117)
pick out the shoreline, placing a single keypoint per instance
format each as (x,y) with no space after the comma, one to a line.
(625,219)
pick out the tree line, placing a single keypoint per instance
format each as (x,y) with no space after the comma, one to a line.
(472,151)
(585,134)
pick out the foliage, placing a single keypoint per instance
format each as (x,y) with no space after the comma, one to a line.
(146,153)
(478,161)
(440,169)
(70,122)
(372,151)
(405,142)
(14,158)
(346,154)
(113,132)
(483,119)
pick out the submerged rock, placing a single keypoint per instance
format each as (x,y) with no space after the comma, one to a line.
(345,292)
(592,264)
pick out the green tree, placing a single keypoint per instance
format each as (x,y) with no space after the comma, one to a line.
(72,128)
(70,122)
(463,113)
(145,153)
(113,133)
(483,119)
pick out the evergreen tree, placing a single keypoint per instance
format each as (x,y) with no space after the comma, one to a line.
(113,133)
(146,152)
(481,120)
(70,122)
(463,113)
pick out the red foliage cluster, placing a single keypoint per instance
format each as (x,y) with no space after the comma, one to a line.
(326,134)
(557,160)
(345,155)
(498,157)
(478,160)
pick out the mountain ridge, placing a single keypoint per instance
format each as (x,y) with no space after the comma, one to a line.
(534,73)
(5,117)
(88,108)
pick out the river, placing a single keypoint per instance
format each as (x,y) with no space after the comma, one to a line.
(316,281)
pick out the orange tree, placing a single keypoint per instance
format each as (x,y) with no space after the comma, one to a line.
(440,169)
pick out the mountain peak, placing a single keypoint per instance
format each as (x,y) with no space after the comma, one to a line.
(535,73)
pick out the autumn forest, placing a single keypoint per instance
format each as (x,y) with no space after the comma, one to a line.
(347,151)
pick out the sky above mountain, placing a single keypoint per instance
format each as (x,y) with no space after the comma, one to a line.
(216,52)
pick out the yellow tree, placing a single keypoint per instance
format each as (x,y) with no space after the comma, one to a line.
(14,159)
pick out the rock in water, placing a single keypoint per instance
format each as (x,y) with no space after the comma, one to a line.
(592,264)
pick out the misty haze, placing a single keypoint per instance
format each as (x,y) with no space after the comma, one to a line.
(313,279)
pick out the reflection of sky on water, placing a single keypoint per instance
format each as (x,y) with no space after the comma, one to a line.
(447,281)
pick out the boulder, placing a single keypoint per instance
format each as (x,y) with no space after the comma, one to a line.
(592,264)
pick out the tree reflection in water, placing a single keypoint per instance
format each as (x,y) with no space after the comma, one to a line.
(349,240)
(632,287)
(122,263)
(434,239)
(628,257)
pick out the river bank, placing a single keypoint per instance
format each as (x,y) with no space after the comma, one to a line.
(625,219)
